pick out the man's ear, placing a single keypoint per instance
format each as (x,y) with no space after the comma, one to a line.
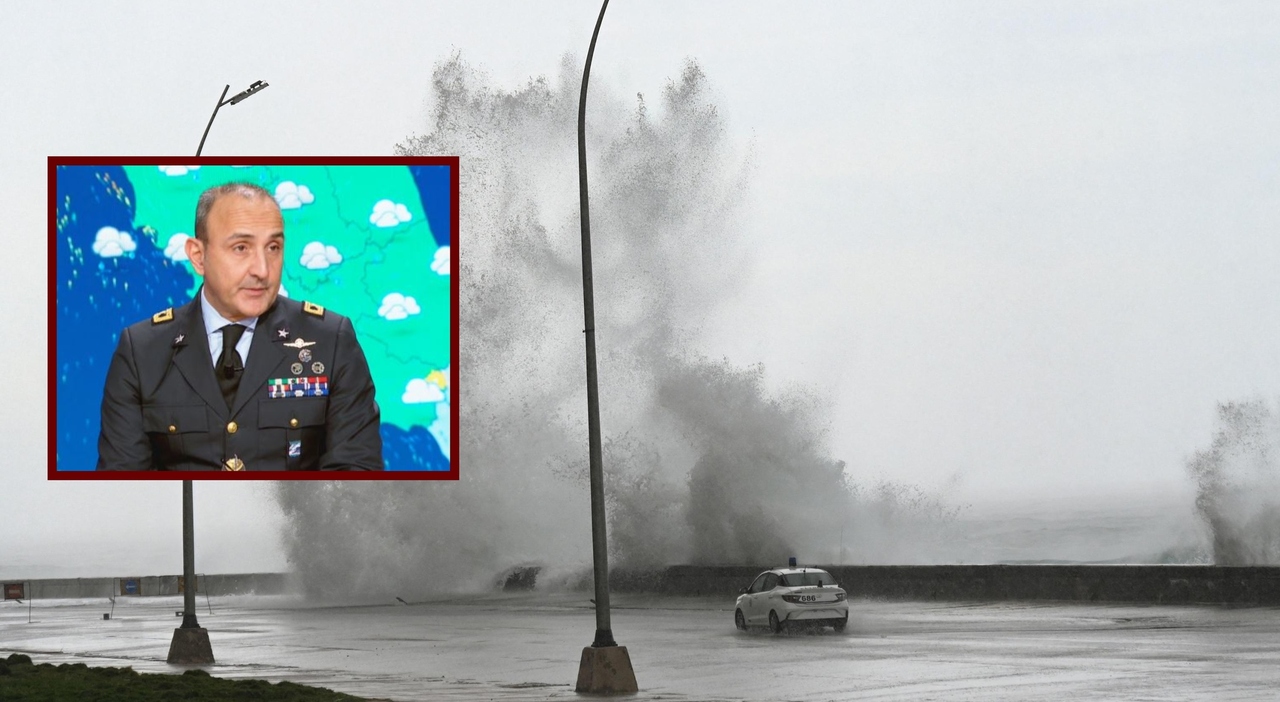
(195,252)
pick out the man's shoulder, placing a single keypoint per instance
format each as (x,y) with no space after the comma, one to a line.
(309,315)
(167,324)
(309,312)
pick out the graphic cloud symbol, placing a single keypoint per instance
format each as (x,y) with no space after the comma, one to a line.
(440,264)
(283,292)
(177,170)
(111,243)
(397,306)
(389,214)
(176,249)
(419,391)
(316,256)
(291,196)
(440,428)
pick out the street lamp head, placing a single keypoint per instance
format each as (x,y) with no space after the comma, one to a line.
(257,85)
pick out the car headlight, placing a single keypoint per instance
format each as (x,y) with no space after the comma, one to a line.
(839,597)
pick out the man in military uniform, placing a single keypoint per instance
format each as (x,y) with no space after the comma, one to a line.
(239,378)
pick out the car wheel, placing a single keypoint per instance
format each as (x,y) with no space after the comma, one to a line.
(839,624)
(740,621)
(774,625)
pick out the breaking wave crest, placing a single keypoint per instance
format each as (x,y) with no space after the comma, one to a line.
(704,463)
(1238,484)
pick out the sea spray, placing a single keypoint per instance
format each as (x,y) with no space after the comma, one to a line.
(1238,484)
(703,462)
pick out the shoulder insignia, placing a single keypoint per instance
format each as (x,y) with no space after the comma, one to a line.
(313,308)
(162,317)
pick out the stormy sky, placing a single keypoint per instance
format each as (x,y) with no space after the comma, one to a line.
(1023,249)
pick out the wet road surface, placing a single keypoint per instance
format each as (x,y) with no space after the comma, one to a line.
(526,647)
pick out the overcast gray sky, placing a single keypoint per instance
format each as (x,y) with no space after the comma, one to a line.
(1024,247)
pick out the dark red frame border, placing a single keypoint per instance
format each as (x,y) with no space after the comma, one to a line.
(454,283)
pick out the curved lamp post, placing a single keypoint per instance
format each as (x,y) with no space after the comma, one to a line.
(605,666)
(190,644)
(255,87)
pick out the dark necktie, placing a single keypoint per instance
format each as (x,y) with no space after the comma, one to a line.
(230,366)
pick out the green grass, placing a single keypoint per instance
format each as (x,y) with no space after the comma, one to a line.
(20,679)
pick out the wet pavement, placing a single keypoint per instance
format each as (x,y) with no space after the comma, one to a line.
(527,647)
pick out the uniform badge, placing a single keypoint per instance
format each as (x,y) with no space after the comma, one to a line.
(295,449)
(233,463)
(296,369)
(313,308)
(304,355)
(299,343)
(162,317)
(283,333)
(317,368)
(178,339)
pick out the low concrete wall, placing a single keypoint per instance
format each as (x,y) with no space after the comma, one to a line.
(1081,583)
(156,585)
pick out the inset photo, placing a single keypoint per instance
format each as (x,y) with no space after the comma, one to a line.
(253,318)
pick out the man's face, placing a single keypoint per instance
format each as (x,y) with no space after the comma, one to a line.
(243,257)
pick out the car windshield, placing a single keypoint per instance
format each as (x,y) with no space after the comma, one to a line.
(809,579)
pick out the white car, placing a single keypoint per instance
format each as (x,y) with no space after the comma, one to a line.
(781,596)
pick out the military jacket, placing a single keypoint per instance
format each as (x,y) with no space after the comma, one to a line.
(305,400)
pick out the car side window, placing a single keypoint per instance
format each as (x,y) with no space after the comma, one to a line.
(758,585)
(770,582)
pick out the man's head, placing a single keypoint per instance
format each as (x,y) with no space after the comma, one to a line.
(238,248)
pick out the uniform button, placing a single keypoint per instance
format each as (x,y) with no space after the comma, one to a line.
(294,422)
(173,429)
(231,427)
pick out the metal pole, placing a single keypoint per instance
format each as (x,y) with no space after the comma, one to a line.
(210,124)
(188,511)
(599,539)
(188,560)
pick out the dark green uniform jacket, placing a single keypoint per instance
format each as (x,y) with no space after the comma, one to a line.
(162,408)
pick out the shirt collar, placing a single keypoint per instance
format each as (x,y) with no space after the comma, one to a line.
(214,322)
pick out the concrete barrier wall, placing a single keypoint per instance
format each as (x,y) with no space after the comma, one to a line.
(1081,583)
(212,585)
(1169,584)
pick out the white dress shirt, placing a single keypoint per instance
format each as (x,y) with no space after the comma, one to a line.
(213,324)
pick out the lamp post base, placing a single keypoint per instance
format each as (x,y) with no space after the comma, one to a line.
(191,647)
(606,670)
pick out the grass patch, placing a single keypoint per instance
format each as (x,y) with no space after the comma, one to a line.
(21,679)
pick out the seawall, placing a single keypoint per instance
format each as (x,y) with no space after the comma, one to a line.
(212,585)
(1161,584)
(1182,584)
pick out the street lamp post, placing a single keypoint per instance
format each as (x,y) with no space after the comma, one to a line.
(605,666)
(190,644)
(255,87)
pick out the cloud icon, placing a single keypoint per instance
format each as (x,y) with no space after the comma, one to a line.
(440,428)
(388,214)
(317,257)
(176,249)
(291,196)
(112,243)
(440,264)
(396,306)
(283,292)
(419,391)
(177,170)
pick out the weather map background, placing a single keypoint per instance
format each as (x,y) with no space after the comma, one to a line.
(370,242)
